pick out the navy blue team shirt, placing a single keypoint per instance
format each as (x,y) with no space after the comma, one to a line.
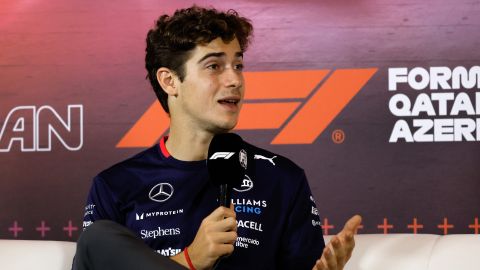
(163,200)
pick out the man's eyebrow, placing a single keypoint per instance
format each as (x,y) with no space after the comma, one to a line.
(218,54)
(214,54)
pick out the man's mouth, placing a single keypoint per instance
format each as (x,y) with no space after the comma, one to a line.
(229,101)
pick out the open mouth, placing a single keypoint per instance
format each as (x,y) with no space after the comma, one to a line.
(229,101)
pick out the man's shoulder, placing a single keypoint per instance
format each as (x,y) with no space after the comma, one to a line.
(133,164)
(272,161)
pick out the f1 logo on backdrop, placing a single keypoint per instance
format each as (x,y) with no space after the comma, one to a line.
(33,128)
(300,104)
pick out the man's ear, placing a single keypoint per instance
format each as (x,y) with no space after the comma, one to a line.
(167,80)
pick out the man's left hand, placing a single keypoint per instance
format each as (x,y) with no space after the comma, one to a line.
(339,250)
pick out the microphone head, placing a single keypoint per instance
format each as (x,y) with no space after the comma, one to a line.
(227,159)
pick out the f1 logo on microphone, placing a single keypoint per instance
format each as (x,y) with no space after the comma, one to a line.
(224,155)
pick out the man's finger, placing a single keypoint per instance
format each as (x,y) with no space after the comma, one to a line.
(330,258)
(319,265)
(221,213)
(339,250)
(225,237)
(224,225)
(353,223)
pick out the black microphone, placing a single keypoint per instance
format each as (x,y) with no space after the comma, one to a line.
(227,162)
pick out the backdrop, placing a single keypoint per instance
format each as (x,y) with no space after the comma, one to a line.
(378,101)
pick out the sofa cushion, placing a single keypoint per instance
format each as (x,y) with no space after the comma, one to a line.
(392,251)
(38,255)
(461,251)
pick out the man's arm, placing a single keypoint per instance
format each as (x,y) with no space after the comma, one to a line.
(302,239)
(339,250)
(101,204)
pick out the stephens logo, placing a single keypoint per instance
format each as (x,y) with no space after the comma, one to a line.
(159,232)
(439,106)
(282,107)
(161,192)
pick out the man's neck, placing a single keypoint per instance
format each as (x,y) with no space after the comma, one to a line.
(188,146)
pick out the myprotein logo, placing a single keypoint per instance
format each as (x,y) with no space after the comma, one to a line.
(146,215)
(37,129)
(299,104)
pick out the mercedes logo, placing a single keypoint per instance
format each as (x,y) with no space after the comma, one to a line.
(161,192)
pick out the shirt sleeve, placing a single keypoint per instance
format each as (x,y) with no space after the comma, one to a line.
(302,241)
(101,204)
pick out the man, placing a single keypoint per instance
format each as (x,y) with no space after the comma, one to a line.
(163,195)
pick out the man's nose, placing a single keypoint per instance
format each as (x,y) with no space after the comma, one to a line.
(233,78)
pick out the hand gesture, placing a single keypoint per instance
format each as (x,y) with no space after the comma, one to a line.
(339,250)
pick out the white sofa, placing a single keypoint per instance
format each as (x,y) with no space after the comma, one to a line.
(372,252)
(415,252)
(38,255)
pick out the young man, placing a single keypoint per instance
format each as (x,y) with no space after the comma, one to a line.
(163,195)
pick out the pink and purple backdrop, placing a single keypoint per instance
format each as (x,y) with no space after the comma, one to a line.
(90,53)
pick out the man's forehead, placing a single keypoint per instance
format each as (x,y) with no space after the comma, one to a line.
(229,48)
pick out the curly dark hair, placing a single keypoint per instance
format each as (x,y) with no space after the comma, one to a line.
(173,37)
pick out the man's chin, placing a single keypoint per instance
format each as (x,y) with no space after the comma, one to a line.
(224,128)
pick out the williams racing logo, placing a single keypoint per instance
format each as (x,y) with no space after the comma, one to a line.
(437,104)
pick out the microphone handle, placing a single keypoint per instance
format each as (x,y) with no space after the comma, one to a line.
(225,195)
(224,198)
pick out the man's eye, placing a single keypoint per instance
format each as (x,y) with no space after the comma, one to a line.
(239,66)
(213,66)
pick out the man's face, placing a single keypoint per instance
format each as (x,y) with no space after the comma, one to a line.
(210,96)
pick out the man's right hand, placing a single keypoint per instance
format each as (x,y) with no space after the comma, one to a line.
(215,238)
